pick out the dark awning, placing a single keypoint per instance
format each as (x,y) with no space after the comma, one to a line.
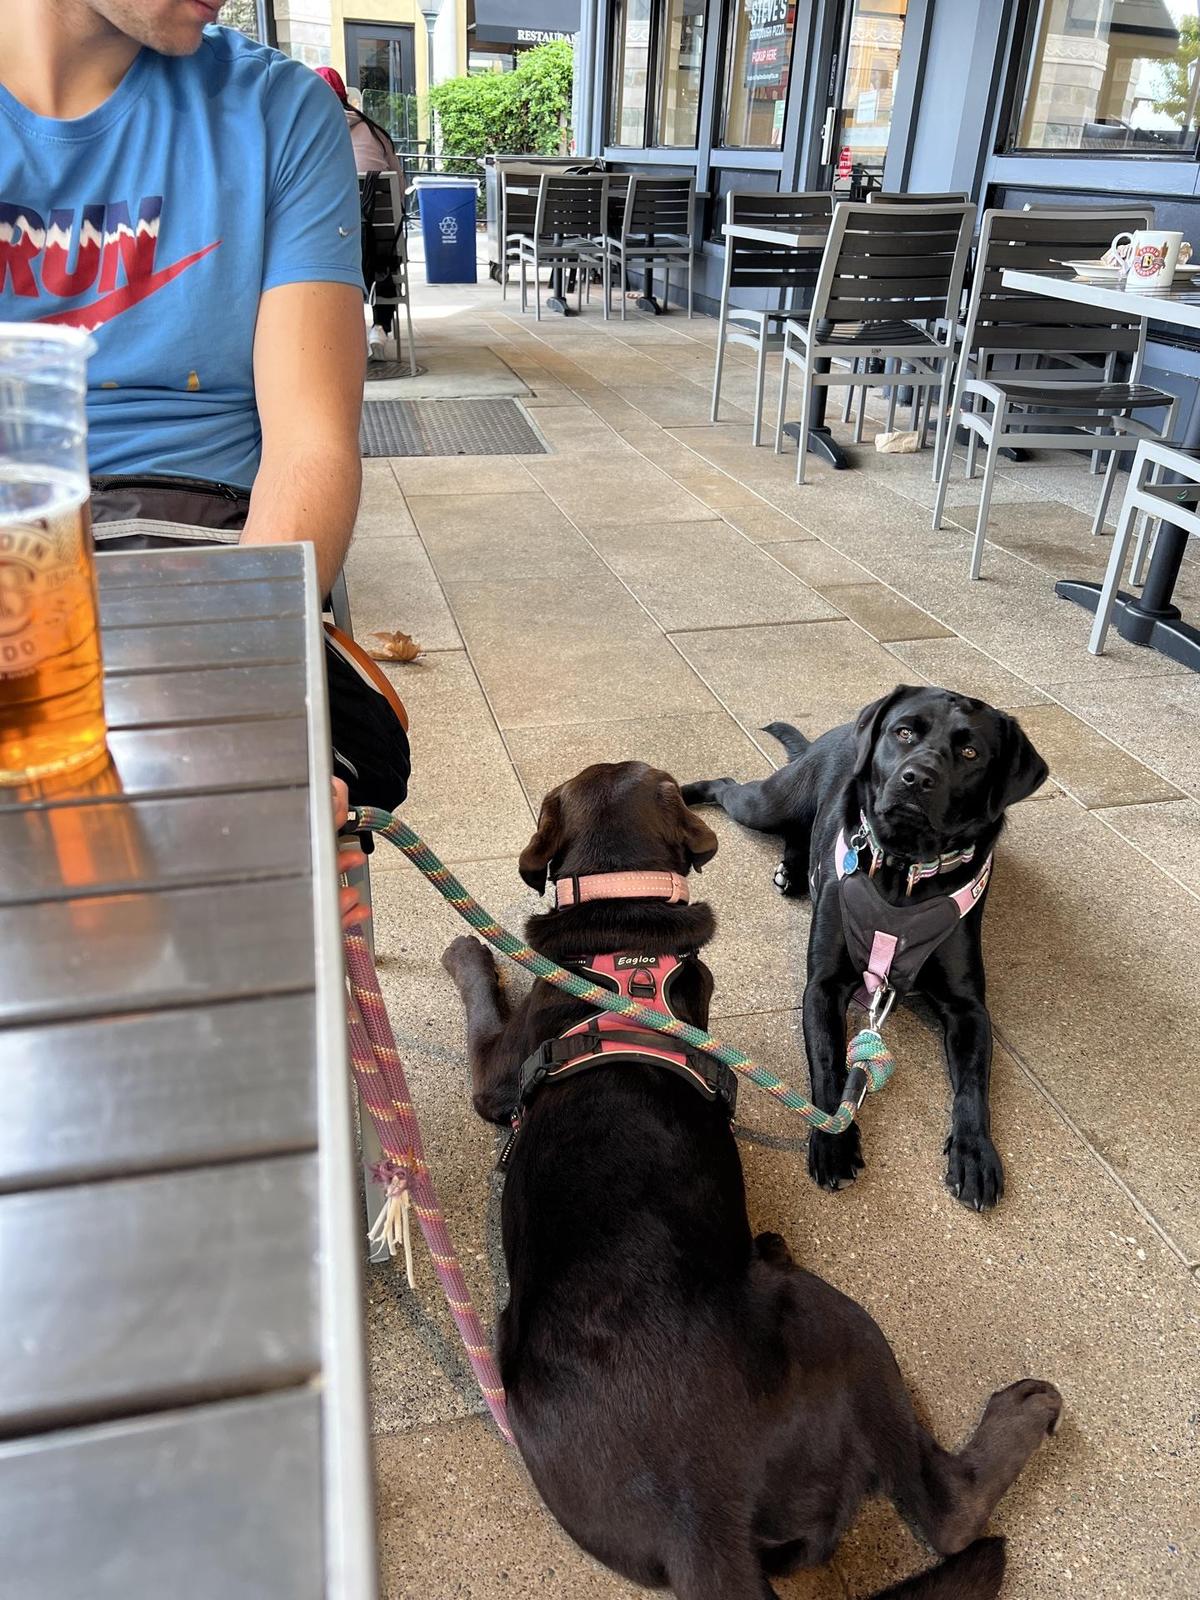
(525,21)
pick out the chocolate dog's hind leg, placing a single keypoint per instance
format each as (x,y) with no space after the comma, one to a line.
(473,969)
(948,1498)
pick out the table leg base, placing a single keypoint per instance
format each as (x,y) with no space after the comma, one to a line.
(557,302)
(647,302)
(1168,633)
(821,443)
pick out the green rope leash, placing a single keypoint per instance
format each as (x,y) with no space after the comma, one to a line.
(868,1059)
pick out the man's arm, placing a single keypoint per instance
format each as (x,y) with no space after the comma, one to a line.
(309,358)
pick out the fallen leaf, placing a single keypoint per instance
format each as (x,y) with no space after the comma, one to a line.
(394,647)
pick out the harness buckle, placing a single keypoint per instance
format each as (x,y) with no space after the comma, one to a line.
(879,1008)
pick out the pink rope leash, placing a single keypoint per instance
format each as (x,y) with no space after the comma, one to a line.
(403,1173)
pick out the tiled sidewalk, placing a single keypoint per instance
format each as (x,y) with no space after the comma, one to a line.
(656,588)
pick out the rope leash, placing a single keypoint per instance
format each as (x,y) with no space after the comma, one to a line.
(403,1174)
(868,1059)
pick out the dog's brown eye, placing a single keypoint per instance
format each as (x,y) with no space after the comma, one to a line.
(969,752)
(905,735)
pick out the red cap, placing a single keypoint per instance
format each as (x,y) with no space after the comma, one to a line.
(334,79)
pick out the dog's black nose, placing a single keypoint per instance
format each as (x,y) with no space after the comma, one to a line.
(914,778)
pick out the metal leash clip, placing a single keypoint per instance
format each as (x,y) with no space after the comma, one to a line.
(879,1007)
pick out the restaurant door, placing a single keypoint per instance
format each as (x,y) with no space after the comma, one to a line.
(864,63)
(381,65)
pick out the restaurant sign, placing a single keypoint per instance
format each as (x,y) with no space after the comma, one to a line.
(767,42)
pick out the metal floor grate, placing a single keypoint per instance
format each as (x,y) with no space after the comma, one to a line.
(447,428)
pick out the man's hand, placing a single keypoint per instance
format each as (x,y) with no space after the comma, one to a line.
(309,357)
(354,913)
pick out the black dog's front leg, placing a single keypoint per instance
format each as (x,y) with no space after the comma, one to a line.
(974,1171)
(834,1159)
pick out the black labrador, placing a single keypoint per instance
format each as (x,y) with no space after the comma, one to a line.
(696,1410)
(920,783)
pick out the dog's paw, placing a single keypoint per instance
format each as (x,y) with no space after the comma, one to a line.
(974,1171)
(464,953)
(705,792)
(772,1248)
(1030,1408)
(782,878)
(835,1159)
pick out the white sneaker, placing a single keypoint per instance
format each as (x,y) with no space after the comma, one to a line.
(375,345)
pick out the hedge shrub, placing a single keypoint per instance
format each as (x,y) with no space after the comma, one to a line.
(508,113)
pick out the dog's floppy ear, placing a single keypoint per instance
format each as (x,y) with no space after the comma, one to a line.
(699,840)
(545,844)
(1020,770)
(866,729)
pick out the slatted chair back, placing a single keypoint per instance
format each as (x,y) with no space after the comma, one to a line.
(518,211)
(571,207)
(894,263)
(618,190)
(879,198)
(1002,321)
(751,264)
(659,209)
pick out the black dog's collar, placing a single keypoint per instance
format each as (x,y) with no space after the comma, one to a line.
(917,871)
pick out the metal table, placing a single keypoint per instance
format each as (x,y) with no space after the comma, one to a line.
(820,439)
(182,1392)
(1151,618)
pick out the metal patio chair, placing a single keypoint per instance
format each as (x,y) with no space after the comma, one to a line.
(390,288)
(1079,402)
(518,213)
(1148,496)
(569,229)
(880,197)
(889,288)
(655,231)
(751,264)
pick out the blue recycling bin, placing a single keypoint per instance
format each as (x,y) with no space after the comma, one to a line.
(448,207)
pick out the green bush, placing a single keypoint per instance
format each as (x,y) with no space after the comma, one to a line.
(508,113)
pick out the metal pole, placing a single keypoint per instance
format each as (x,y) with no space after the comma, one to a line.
(430,13)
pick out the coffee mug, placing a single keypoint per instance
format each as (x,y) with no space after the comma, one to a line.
(1148,259)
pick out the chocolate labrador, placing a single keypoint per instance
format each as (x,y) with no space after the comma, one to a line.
(696,1410)
(889,822)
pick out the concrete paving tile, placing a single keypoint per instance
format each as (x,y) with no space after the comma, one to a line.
(462,474)
(955,664)
(884,614)
(704,575)
(457,749)
(459,1516)
(392,587)
(671,404)
(819,565)
(472,536)
(571,429)
(815,674)
(381,501)
(1087,765)
(1064,1280)
(594,647)
(1154,718)
(598,489)
(1091,957)
(1052,536)
(765,524)
(1168,832)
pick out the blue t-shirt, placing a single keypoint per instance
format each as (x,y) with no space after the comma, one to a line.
(157,221)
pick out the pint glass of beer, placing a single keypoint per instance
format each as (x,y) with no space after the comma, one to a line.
(51,703)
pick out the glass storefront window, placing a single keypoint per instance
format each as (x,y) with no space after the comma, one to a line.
(869,86)
(682,49)
(1113,76)
(631,72)
(758,65)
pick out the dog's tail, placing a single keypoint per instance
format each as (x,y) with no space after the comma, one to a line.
(792,740)
(976,1573)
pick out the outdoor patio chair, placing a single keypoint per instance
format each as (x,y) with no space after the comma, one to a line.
(881,198)
(655,231)
(569,229)
(1078,402)
(518,213)
(750,264)
(390,286)
(1147,495)
(889,288)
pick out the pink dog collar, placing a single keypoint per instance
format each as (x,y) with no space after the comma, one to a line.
(668,886)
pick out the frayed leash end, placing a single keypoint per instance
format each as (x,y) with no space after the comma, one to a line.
(393,1226)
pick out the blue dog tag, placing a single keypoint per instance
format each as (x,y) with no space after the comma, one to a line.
(850,861)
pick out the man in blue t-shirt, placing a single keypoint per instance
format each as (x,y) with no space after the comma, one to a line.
(189,197)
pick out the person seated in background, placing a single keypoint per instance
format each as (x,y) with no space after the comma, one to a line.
(188,197)
(373,152)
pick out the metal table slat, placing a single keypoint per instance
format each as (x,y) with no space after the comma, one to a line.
(184,1286)
(156,569)
(63,852)
(263,642)
(130,952)
(218,1503)
(176,604)
(156,1090)
(219,694)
